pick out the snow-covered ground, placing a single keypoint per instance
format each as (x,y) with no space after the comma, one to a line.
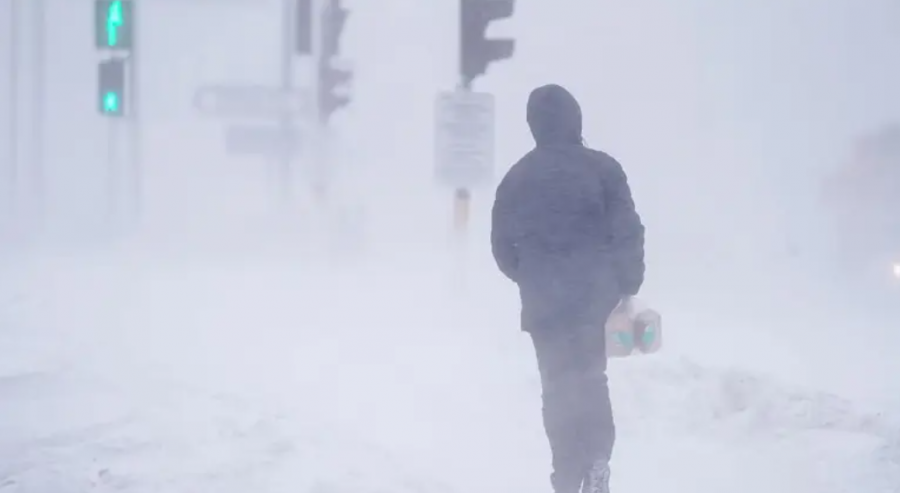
(134,372)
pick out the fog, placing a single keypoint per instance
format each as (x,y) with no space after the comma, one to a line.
(203,331)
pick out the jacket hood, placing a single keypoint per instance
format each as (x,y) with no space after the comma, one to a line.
(554,116)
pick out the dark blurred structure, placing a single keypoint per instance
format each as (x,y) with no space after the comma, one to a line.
(863,198)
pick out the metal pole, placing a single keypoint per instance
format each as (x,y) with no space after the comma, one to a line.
(319,156)
(13,100)
(40,95)
(462,197)
(284,174)
(112,173)
(134,117)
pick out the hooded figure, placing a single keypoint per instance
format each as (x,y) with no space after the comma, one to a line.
(565,230)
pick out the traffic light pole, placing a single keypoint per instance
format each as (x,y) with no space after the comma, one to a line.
(134,120)
(284,173)
(319,154)
(331,80)
(118,73)
(322,165)
(462,197)
(13,171)
(119,99)
(476,52)
(40,95)
(112,170)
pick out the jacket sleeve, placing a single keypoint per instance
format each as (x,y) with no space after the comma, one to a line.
(626,229)
(503,244)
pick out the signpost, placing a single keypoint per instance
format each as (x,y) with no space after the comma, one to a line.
(311,33)
(465,154)
(252,101)
(464,140)
(260,140)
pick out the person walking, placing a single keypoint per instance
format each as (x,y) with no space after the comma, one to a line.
(564,228)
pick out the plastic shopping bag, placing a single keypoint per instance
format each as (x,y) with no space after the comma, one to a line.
(633,328)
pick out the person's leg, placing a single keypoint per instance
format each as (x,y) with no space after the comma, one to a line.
(599,426)
(595,397)
(562,385)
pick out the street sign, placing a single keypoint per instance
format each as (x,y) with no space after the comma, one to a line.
(260,140)
(464,138)
(252,101)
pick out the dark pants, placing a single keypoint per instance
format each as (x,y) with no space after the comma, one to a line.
(576,407)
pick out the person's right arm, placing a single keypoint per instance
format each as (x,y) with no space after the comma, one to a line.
(626,228)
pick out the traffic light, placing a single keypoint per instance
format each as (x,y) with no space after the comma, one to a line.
(334,16)
(111,87)
(114,24)
(304,27)
(333,93)
(333,81)
(476,51)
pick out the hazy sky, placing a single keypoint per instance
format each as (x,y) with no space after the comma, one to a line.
(725,113)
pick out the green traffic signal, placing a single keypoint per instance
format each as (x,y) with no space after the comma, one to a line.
(111,87)
(114,24)
(111,102)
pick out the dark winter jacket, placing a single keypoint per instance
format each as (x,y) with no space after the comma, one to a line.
(564,226)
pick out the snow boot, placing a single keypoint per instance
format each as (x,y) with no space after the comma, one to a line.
(597,479)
